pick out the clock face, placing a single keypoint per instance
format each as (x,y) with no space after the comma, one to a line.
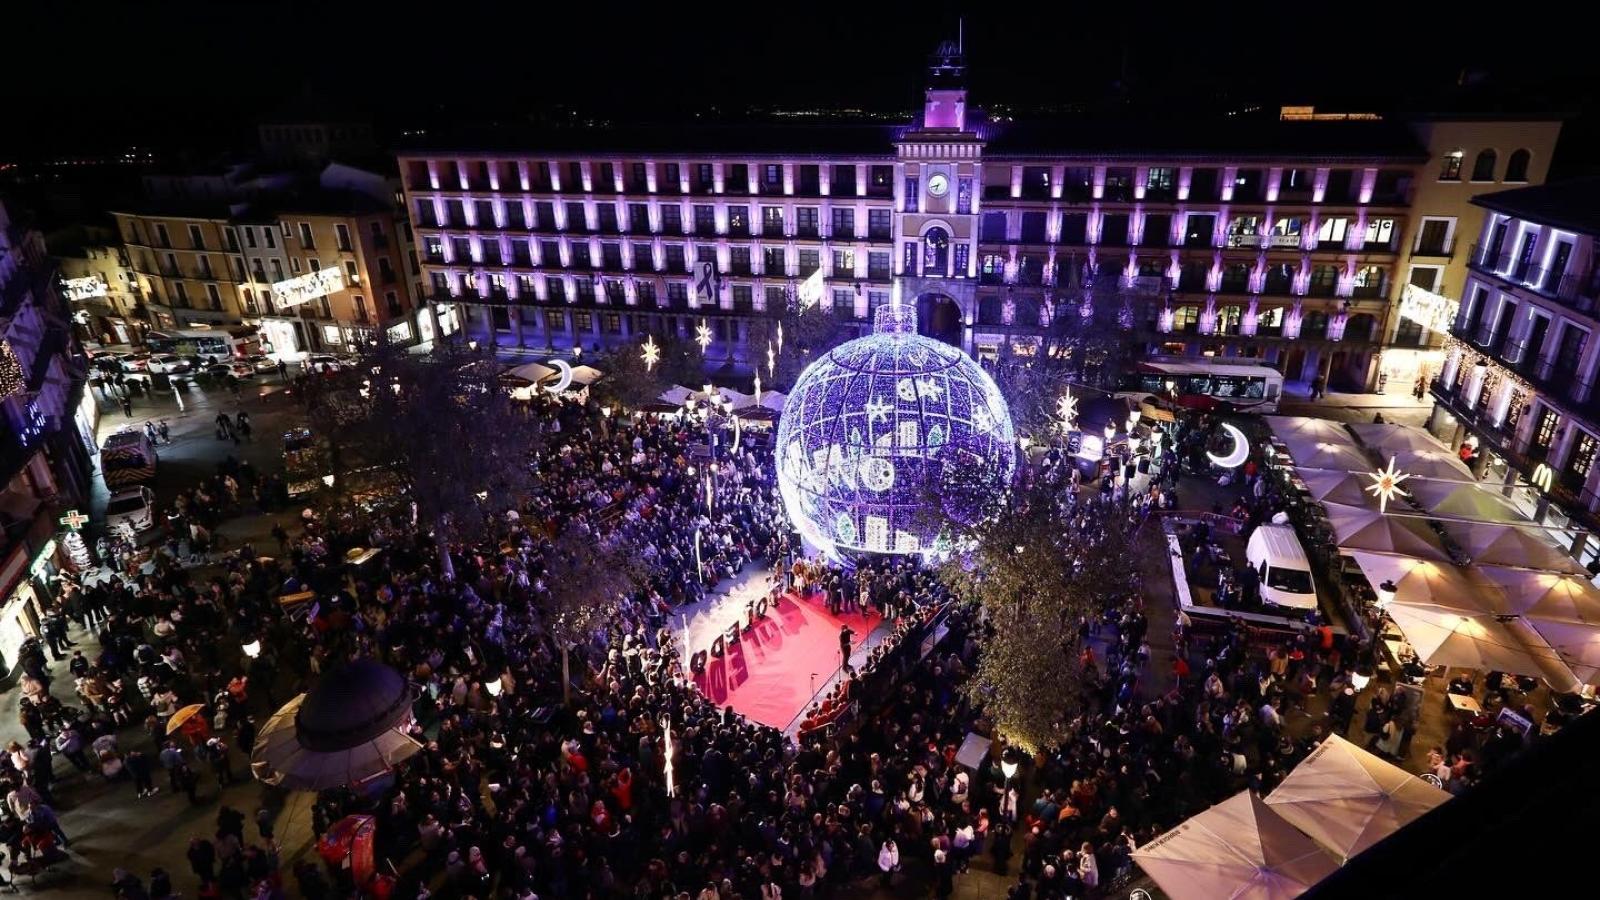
(937,185)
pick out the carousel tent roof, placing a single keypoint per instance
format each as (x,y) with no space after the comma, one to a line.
(348,728)
(1239,848)
(1347,799)
(352,704)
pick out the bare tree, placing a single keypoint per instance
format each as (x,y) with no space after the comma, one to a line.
(584,580)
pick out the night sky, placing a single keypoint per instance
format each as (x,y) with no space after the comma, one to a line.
(99,76)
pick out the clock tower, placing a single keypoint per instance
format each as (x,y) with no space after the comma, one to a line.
(940,166)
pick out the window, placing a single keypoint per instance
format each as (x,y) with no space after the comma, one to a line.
(611,323)
(844,263)
(205,266)
(213,296)
(737,179)
(233,238)
(772,177)
(1160,183)
(739,260)
(361,307)
(675,259)
(1451,170)
(249,301)
(1341,186)
(772,262)
(342,236)
(673,179)
(935,251)
(352,275)
(878,266)
(776,298)
(772,221)
(908,259)
(1517,166)
(705,220)
(703,177)
(992,227)
(197,240)
(577,219)
(961,260)
(1380,232)
(1333,230)
(990,311)
(391,300)
(844,223)
(1582,459)
(739,220)
(672,219)
(911,195)
(994,267)
(277,269)
(964,197)
(182,292)
(806,221)
(878,224)
(1483,166)
(294,264)
(306,243)
(677,295)
(844,304)
(743,298)
(810,261)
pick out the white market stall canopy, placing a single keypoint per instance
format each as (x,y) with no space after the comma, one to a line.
(1240,849)
(1347,799)
(528,373)
(1432,464)
(1305,429)
(1343,457)
(1510,545)
(677,395)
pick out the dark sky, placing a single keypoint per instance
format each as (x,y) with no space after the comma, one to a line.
(99,75)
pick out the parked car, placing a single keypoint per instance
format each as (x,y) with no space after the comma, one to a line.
(323,362)
(135,362)
(136,507)
(169,364)
(261,363)
(109,361)
(239,370)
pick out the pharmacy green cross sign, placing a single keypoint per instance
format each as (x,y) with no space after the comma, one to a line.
(74,519)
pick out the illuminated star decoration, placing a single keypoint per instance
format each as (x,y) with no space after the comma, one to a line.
(702,335)
(878,410)
(1386,485)
(772,360)
(1067,409)
(780,335)
(652,353)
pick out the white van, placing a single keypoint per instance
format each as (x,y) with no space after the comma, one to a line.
(1275,553)
(136,507)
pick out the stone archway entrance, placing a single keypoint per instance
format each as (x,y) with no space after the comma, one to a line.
(939,317)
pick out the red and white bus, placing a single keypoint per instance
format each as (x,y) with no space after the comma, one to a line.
(1233,386)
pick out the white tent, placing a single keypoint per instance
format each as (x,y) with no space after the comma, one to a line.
(1347,799)
(586,375)
(1240,849)
(773,400)
(1337,486)
(1563,610)
(1387,438)
(1363,528)
(1475,639)
(531,373)
(1509,545)
(677,395)
(1464,501)
(1425,581)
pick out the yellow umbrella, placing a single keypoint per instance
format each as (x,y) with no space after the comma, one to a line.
(183,715)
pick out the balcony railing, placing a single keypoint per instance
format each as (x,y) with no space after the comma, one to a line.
(1440,247)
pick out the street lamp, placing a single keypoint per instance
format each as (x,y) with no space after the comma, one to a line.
(1361,677)
(1009,764)
(252,648)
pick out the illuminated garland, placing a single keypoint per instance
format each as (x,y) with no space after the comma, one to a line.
(12,381)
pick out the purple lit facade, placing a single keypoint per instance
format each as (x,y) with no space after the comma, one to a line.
(1276,240)
(875,432)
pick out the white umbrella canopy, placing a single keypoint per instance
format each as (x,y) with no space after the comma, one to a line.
(586,375)
(1464,501)
(1450,636)
(1509,545)
(1546,595)
(530,373)
(1427,581)
(1347,799)
(1387,438)
(279,758)
(1305,428)
(1319,454)
(1337,486)
(1360,528)
(1239,848)
(1432,464)
(676,395)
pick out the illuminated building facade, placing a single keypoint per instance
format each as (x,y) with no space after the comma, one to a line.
(47,421)
(1278,240)
(1519,376)
(209,254)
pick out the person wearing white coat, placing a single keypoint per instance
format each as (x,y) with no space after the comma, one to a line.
(888,860)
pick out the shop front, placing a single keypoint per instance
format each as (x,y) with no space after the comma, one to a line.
(26,582)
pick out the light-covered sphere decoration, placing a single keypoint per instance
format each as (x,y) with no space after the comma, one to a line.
(888,439)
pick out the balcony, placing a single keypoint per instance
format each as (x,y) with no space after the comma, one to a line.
(1368,291)
(1438,247)
(1234,286)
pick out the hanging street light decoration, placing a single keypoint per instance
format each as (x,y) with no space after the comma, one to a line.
(772,360)
(702,335)
(758,386)
(651,353)
(1386,485)
(780,337)
(1067,409)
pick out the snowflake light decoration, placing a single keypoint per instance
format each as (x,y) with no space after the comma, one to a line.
(1386,485)
(651,353)
(1067,409)
(702,335)
(878,433)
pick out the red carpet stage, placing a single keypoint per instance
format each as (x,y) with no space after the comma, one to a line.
(766,676)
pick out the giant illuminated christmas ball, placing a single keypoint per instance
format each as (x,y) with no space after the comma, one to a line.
(888,439)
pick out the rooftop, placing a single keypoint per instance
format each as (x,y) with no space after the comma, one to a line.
(835,138)
(1227,138)
(1573,204)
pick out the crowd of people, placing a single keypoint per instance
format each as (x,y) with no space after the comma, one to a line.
(516,793)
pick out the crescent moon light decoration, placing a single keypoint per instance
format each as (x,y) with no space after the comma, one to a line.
(1235,457)
(565,381)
